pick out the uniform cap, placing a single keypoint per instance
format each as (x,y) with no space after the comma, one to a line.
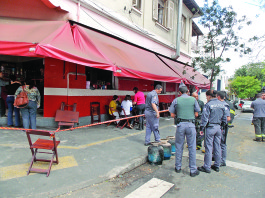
(182,85)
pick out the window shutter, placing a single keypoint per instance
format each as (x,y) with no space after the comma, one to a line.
(155,9)
(170,14)
(134,3)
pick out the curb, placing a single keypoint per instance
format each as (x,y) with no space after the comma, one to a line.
(111,174)
(128,167)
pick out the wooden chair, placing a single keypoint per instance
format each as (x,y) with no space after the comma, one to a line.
(67,118)
(43,144)
(126,122)
(95,111)
(111,116)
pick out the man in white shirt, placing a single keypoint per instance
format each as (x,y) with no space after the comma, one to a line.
(127,105)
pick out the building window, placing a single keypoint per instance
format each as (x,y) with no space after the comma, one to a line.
(137,4)
(98,78)
(163,12)
(183,28)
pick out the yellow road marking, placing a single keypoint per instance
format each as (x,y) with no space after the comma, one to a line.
(90,144)
(20,170)
(107,140)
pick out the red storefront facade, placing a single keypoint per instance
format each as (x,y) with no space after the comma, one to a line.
(68,49)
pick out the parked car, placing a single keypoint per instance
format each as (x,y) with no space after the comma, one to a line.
(238,104)
(246,106)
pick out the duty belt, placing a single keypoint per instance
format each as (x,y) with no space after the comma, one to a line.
(185,120)
(215,123)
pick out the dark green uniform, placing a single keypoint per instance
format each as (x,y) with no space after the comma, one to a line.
(184,107)
(199,138)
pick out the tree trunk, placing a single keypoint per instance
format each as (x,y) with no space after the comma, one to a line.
(211,79)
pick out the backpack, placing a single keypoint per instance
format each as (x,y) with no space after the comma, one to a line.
(21,100)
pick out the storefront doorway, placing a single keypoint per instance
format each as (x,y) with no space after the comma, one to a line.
(23,68)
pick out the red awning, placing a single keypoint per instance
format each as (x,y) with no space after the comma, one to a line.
(63,45)
(19,37)
(17,48)
(48,39)
(60,40)
(130,61)
(190,76)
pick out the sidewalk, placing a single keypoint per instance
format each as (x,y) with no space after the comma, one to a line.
(87,156)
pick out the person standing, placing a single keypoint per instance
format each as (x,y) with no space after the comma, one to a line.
(199,138)
(30,111)
(185,108)
(221,97)
(113,107)
(2,101)
(152,115)
(232,109)
(139,101)
(212,117)
(259,118)
(263,96)
(11,89)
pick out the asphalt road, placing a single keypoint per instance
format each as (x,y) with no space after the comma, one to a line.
(243,176)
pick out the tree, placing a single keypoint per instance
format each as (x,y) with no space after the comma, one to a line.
(245,86)
(253,69)
(242,71)
(221,24)
(258,42)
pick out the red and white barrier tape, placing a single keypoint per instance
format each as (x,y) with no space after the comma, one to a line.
(79,127)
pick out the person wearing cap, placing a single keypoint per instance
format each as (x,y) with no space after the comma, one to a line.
(259,118)
(213,115)
(199,138)
(139,101)
(152,115)
(230,113)
(113,107)
(184,109)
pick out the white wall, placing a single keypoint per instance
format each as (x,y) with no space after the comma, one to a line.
(120,19)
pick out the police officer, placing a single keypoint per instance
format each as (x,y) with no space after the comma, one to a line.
(198,121)
(221,97)
(259,118)
(212,116)
(152,115)
(185,108)
(263,96)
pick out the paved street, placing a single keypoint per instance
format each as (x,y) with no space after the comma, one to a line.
(90,158)
(242,177)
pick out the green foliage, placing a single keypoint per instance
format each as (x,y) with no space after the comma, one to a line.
(254,69)
(221,24)
(245,86)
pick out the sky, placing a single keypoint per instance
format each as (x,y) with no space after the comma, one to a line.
(251,10)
